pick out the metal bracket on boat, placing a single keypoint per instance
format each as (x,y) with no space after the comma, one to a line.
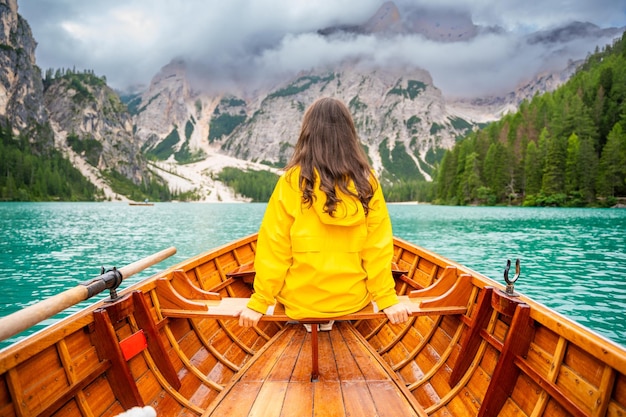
(510,282)
(110,280)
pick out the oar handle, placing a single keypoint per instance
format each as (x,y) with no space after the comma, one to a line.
(146,262)
(36,313)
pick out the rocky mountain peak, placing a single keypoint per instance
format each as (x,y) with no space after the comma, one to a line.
(572,31)
(386,19)
(164,103)
(400,116)
(21,88)
(9,16)
(170,107)
(91,124)
(440,24)
(436,23)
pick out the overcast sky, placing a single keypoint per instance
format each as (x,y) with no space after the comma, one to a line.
(128,41)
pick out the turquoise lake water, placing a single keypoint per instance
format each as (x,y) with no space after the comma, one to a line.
(572,260)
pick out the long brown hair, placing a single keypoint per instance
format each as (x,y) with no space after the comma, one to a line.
(329,144)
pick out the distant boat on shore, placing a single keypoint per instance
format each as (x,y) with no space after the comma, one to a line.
(146,202)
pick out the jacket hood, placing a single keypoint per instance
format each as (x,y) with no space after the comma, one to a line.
(349,211)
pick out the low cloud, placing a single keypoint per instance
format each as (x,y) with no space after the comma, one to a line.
(459,69)
(263,41)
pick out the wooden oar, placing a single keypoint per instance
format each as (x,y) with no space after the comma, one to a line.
(31,315)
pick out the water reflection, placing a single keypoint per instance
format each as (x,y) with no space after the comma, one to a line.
(572,259)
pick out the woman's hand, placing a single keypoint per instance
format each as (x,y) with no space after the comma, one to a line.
(397,313)
(249,317)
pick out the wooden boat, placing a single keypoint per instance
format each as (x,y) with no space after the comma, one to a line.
(470,348)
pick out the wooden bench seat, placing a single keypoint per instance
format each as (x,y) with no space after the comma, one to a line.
(450,295)
(354,380)
(230,307)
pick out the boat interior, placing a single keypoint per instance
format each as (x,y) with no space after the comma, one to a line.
(470,348)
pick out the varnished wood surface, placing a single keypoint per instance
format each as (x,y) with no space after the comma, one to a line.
(476,352)
(230,307)
(352,381)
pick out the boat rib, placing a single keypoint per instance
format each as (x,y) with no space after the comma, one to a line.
(172,341)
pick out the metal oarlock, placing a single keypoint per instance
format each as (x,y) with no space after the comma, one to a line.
(510,282)
(110,279)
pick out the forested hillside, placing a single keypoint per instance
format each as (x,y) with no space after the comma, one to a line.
(565,148)
(32,173)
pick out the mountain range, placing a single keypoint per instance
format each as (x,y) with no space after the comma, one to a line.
(184,135)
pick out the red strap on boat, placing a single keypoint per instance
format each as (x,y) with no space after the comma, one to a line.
(133,344)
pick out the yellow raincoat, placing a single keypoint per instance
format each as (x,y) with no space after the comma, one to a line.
(320,266)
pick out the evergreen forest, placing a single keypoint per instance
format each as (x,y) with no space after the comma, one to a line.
(31,171)
(256,185)
(566,148)
(39,173)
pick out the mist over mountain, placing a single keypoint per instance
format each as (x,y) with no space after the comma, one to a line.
(573,31)
(434,23)
(470,48)
(466,59)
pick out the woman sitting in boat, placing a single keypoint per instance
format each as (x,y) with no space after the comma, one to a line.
(325,244)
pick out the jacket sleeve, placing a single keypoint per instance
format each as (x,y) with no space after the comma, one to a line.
(378,253)
(273,251)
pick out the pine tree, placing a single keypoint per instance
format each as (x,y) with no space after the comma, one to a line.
(465,149)
(533,170)
(445,175)
(498,171)
(470,182)
(577,119)
(552,182)
(588,163)
(612,177)
(9,191)
(572,170)
(609,107)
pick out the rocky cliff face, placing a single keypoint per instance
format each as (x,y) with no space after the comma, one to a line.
(403,120)
(182,130)
(488,108)
(76,113)
(400,116)
(21,88)
(170,107)
(164,105)
(89,119)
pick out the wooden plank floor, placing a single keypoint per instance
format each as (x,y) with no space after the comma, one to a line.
(354,380)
